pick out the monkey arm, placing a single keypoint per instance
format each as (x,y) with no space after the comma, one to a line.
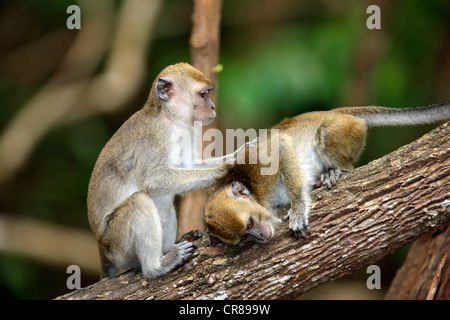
(296,187)
(238,156)
(180,180)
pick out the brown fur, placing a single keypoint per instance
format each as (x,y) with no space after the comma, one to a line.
(315,146)
(225,217)
(179,71)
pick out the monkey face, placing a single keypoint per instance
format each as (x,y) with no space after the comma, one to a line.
(184,94)
(204,109)
(234,216)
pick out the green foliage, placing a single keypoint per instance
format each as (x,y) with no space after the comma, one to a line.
(273,68)
(287,72)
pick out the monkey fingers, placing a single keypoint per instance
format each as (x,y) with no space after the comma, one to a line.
(206,238)
(286,216)
(193,235)
(298,226)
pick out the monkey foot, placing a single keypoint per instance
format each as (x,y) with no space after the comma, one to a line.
(329,178)
(184,249)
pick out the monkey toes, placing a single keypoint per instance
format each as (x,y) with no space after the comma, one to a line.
(298,226)
(184,249)
(329,178)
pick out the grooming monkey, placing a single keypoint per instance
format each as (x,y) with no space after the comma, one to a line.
(315,149)
(134,181)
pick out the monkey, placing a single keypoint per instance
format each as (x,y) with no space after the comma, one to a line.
(315,149)
(137,175)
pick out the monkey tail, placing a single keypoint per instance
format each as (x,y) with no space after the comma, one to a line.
(382,116)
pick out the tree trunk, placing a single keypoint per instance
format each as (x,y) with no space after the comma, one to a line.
(370,213)
(204,42)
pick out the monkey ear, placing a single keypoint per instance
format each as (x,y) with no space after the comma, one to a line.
(165,88)
(239,190)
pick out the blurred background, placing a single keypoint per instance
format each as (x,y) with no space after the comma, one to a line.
(63,93)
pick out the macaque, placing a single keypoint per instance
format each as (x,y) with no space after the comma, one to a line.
(137,175)
(314,149)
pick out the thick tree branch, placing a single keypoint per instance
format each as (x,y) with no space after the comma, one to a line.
(370,213)
(49,242)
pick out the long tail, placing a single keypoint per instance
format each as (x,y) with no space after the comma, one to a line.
(382,116)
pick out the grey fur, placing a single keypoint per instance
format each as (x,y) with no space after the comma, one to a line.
(382,116)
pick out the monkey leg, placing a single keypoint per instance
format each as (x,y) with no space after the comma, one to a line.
(341,139)
(135,239)
(107,268)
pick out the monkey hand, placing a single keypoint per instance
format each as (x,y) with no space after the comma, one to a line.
(193,235)
(200,238)
(298,225)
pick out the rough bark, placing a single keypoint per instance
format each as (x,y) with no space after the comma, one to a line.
(425,274)
(370,213)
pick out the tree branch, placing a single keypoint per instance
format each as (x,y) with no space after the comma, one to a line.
(370,213)
(49,242)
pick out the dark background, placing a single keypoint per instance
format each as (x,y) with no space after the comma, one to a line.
(280,58)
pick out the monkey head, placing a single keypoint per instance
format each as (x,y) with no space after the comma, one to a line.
(183,92)
(233,215)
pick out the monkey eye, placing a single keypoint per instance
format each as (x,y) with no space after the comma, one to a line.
(204,93)
(250,224)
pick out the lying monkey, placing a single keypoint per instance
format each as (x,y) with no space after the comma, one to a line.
(314,149)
